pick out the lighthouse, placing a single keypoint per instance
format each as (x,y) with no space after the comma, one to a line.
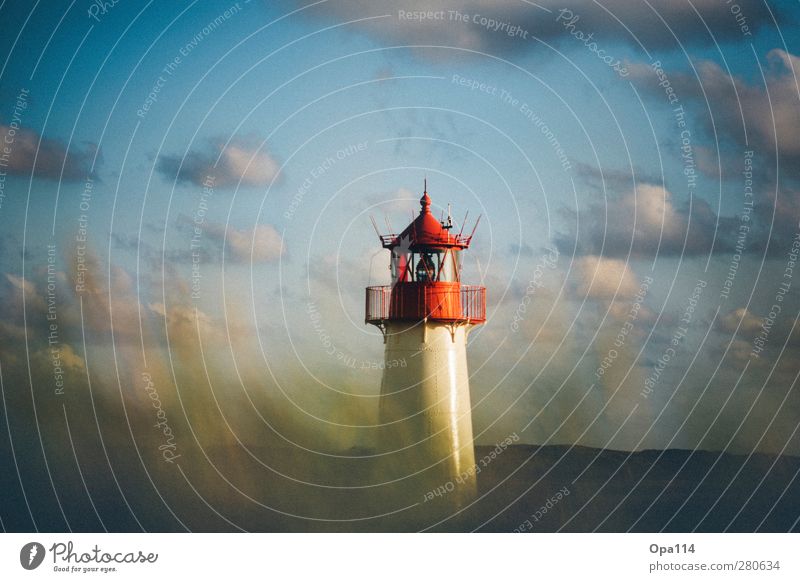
(425,316)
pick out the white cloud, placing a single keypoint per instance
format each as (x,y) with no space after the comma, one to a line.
(53,160)
(646,221)
(654,25)
(747,322)
(602,278)
(255,168)
(243,162)
(263,241)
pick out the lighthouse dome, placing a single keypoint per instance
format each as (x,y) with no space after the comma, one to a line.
(427,232)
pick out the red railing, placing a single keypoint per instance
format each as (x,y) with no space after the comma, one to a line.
(389,241)
(378,301)
(409,301)
(473,303)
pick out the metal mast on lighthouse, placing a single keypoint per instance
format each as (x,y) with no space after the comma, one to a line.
(425,316)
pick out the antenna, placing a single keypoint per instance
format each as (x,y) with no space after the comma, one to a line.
(425,190)
(463,224)
(449,224)
(388,224)
(475,227)
(375,226)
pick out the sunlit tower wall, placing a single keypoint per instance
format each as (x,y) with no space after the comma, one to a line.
(425,316)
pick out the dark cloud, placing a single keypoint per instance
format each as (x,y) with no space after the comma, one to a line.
(748,115)
(777,221)
(240,162)
(603,181)
(12,289)
(156,255)
(756,129)
(747,325)
(742,321)
(259,244)
(646,221)
(654,25)
(54,161)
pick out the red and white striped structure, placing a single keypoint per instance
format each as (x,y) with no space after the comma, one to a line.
(425,316)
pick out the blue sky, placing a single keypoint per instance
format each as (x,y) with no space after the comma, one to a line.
(266,95)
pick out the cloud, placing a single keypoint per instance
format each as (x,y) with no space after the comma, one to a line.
(749,115)
(261,244)
(13,333)
(654,25)
(758,116)
(602,278)
(71,362)
(750,325)
(643,222)
(604,180)
(120,302)
(747,322)
(242,162)
(777,215)
(52,158)
(186,321)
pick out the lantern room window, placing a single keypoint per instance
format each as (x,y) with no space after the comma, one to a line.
(450,265)
(399,266)
(426,266)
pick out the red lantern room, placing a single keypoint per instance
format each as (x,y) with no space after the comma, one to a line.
(426,276)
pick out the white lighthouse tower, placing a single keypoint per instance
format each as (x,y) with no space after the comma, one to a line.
(425,316)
